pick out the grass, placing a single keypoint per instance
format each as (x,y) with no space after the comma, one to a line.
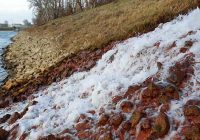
(115,21)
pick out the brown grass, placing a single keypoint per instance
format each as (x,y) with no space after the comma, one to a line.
(116,21)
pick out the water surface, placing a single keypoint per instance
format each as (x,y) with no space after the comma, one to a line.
(5,40)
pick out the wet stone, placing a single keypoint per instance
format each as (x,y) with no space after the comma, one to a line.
(135,118)
(161,126)
(191,110)
(126,106)
(116,120)
(3,134)
(103,119)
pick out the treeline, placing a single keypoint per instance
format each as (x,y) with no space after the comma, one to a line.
(46,10)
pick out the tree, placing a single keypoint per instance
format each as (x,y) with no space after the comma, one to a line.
(26,23)
(46,10)
(6,23)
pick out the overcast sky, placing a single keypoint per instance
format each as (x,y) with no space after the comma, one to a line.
(14,11)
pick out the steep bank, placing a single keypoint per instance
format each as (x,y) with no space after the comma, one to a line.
(147,87)
(38,49)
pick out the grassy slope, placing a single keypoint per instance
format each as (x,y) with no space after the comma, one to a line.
(40,47)
(115,21)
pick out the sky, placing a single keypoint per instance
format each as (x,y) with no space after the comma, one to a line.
(14,11)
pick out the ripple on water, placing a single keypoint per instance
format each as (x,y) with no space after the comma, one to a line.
(5,40)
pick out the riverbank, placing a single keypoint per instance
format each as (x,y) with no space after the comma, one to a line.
(146,87)
(41,55)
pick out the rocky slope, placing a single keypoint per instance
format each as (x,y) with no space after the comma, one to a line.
(39,51)
(146,87)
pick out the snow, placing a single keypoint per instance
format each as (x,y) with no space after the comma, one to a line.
(135,59)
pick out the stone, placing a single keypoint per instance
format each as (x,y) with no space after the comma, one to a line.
(116,99)
(191,132)
(103,119)
(146,124)
(13,118)
(191,110)
(84,134)
(5,118)
(82,126)
(4,104)
(106,136)
(135,118)
(126,106)
(161,126)
(116,120)
(3,134)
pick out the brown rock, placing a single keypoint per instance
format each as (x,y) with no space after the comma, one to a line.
(188,43)
(83,126)
(116,120)
(103,119)
(162,125)
(135,118)
(183,50)
(165,108)
(14,118)
(4,104)
(144,135)
(5,118)
(193,102)
(146,124)
(191,132)
(106,136)
(126,106)
(3,134)
(116,99)
(84,134)
(191,110)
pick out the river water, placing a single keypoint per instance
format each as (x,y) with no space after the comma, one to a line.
(5,40)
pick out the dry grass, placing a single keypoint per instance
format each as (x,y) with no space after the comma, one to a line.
(116,21)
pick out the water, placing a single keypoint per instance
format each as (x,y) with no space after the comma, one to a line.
(5,40)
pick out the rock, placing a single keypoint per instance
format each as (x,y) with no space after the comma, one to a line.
(144,135)
(146,124)
(3,134)
(162,125)
(164,108)
(4,104)
(5,118)
(188,43)
(116,99)
(103,119)
(135,118)
(8,85)
(84,134)
(83,126)
(183,50)
(159,65)
(106,136)
(126,106)
(191,110)
(13,118)
(191,132)
(126,126)
(116,120)
(193,102)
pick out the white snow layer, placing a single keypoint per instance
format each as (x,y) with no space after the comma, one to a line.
(135,59)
